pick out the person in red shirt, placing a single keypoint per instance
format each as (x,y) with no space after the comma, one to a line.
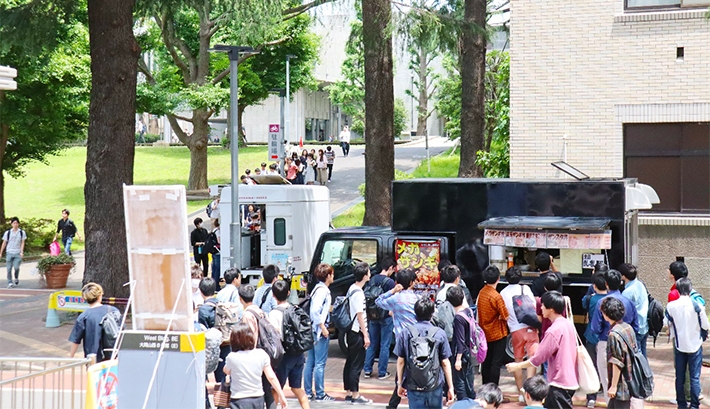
(676,270)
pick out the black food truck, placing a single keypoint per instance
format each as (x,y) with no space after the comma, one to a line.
(477,222)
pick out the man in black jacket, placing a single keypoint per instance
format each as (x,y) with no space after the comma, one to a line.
(198,238)
(545,266)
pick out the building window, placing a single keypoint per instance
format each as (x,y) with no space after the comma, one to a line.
(674,159)
(633,4)
(279,231)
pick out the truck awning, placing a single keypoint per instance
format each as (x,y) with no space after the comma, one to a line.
(546,223)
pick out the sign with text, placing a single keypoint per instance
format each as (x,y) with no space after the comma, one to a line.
(276,148)
(423,257)
(542,240)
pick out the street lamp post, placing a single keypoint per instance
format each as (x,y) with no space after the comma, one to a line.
(287,113)
(235,232)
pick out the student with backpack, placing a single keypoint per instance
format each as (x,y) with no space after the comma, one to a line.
(592,338)
(357,337)
(262,297)
(688,323)
(319,311)
(212,246)
(291,367)
(400,301)
(89,326)
(522,322)
(13,241)
(620,348)
(379,321)
(423,361)
(492,317)
(464,364)
(636,292)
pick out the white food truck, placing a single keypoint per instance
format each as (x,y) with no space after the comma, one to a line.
(280,225)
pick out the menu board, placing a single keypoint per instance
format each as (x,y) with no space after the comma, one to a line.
(547,240)
(423,257)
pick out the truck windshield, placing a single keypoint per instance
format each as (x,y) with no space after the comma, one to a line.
(343,254)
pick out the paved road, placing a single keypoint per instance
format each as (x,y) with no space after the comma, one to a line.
(349,172)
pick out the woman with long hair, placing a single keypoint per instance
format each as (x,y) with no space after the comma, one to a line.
(322,165)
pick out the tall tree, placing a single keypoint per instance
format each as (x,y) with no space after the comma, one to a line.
(349,92)
(110,146)
(379,113)
(187,30)
(473,68)
(421,30)
(51,103)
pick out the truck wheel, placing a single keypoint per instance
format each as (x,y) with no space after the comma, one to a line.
(341,343)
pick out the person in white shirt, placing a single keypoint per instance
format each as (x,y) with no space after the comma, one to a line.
(451,277)
(358,339)
(13,241)
(345,140)
(525,338)
(686,320)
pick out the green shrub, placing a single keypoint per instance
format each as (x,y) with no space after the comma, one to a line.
(149,138)
(45,263)
(40,233)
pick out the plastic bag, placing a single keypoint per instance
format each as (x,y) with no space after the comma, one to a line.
(54,249)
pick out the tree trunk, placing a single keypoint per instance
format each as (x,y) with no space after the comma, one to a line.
(423,101)
(473,68)
(242,136)
(379,111)
(197,144)
(110,144)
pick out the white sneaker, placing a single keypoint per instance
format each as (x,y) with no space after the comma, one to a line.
(521,398)
(673,401)
(10,285)
(591,403)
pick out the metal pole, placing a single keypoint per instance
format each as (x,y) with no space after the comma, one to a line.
(428,160)
(235,230)
(283,131)
(287,123)
(412,105)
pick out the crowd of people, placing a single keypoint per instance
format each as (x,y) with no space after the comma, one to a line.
(440,340)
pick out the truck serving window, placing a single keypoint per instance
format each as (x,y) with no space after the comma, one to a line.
(279,231)
(344,254)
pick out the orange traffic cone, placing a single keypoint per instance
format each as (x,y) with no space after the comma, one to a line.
(300,142)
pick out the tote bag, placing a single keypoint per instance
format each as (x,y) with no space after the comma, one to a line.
(587,376)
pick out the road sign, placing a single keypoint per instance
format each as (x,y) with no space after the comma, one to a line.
(276,147)
(7,76)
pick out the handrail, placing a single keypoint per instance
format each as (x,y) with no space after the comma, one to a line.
(77,363)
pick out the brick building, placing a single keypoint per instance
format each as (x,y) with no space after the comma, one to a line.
(621,88)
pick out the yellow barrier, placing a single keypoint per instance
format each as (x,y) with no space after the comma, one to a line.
(68,300)
(102,384)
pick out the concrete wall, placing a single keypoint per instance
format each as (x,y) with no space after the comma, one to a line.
(582,68)
(658,248)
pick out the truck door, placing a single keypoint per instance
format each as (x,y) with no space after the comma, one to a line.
(278,243)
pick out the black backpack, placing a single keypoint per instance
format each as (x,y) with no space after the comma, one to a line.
(372,291)
(263,297)
(638,376)
(208,209)
(110,328)
(211,244)
(654,317)
(297,330)
(423,360)
(340,315)
(305,305)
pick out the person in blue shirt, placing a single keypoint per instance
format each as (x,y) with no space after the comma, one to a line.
(431,399)
(599,268)
(599,284)
(263,298)
(381,331)
(636,291)
(600,328)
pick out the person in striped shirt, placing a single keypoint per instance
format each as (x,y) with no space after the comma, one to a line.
(400,302)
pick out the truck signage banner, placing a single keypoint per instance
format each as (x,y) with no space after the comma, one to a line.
(423,257)
(546,240)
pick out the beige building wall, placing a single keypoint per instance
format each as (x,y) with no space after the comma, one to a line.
(583,68)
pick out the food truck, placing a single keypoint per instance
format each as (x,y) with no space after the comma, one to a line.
(477,222)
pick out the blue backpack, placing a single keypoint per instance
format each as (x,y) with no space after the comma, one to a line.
(340,316)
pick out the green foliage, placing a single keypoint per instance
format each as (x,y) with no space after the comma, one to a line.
(400,117)
(40,233)
(350,217)
(349,93)
(494,160)
(45,263)
(398,175)
(51,104)
(149,138)
(442,166)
